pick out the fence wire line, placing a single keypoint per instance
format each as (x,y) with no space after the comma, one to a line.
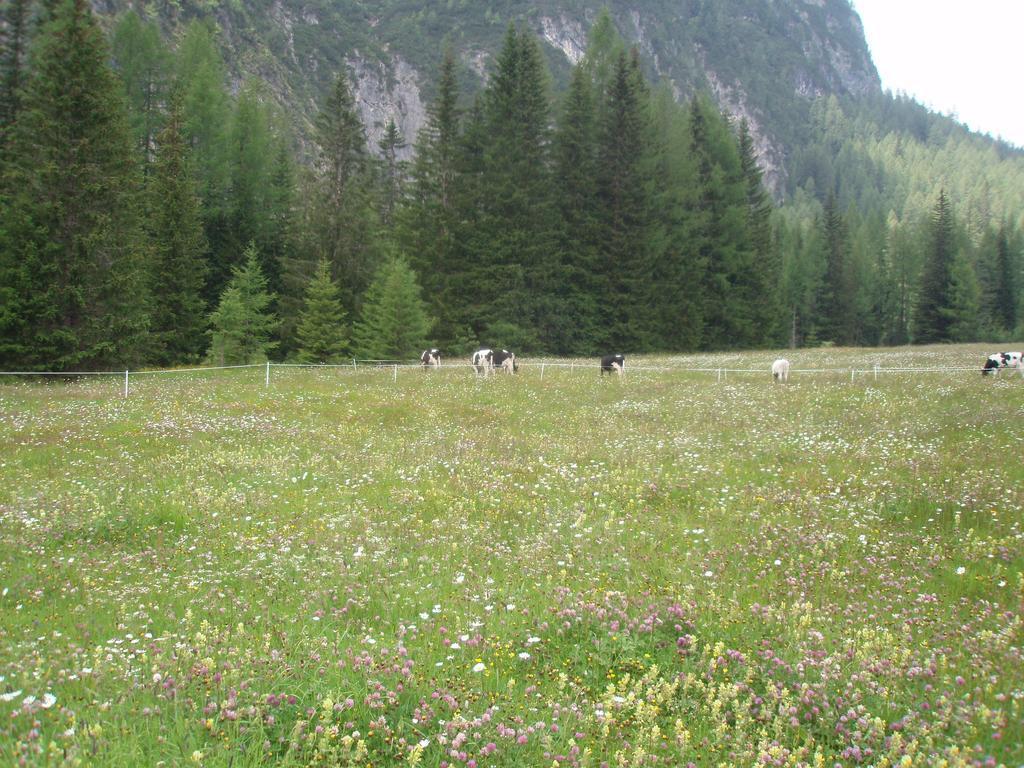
(388,366)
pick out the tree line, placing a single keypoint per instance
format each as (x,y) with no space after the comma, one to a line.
(150,217)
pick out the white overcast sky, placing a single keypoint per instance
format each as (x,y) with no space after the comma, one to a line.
(962,58)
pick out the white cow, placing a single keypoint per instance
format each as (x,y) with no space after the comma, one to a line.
(780,369)
(431,358)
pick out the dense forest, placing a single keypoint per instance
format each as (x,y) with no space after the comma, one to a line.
(150,215)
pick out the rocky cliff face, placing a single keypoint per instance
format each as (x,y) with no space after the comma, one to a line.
(764,60)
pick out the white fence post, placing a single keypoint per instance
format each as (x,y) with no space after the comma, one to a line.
(126,383)
(396,373)
(719,375)
(268,375)
(353,363)
(852,372)
(876,371)
(542,371)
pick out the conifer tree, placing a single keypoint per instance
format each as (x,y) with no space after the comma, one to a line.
(964,311)
(394,324)
(71,193)
(517,226)
(427,218)
(322,331)
(765,267)
(578,282)
(14,44)
(242,326)
(624,206)
(257,203)
(1006,280)
(175,229)
(674,289)
(343,221)
(835,302)
(719,231)
(143,65)
(932,320)
(201,80)
(393,173)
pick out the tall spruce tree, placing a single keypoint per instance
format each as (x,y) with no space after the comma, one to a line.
(579,283)
(143,64)
(674,289)
(719,233)
(201,79)
(932,320)
(394,324)
(1006,280)
(344,224)
(14,44)
(71,207)
(763,278)
(393,172)
(175,228)
(427,218)
(836,321)
(322,331)
(964,310)
(624,206)
(518,221)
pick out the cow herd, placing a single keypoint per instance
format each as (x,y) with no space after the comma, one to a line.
(487,361)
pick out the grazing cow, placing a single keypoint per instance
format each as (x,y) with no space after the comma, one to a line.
(1003,360)
(506,361)
(483,361)
(780,369)
(613,364)
(431,358)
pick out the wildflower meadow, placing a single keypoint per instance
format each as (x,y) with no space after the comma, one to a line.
(428,568)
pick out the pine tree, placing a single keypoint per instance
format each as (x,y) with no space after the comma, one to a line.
(394,323)
(624,206)
(835,302)
(674,288)
(322,332)
(175,229)
(201,80)
(1006,272)
(763,279)
(578,284)
(514,248)
(964,311)
(256,208)
(427,219)
(143,64)
(932,320)
(71,196)
(343,222)
(14,44)
(393,173)
(719,232)
(242,327)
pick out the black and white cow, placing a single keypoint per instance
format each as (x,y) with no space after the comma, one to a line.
(613,364)
(483,361)
(431,358)
(506,361)
(1003,360)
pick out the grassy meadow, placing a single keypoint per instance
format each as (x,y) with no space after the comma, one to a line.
(444,571)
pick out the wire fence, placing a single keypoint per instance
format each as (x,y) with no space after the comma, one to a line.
(392,367)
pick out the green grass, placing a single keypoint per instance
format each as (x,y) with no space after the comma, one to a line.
(661,570)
